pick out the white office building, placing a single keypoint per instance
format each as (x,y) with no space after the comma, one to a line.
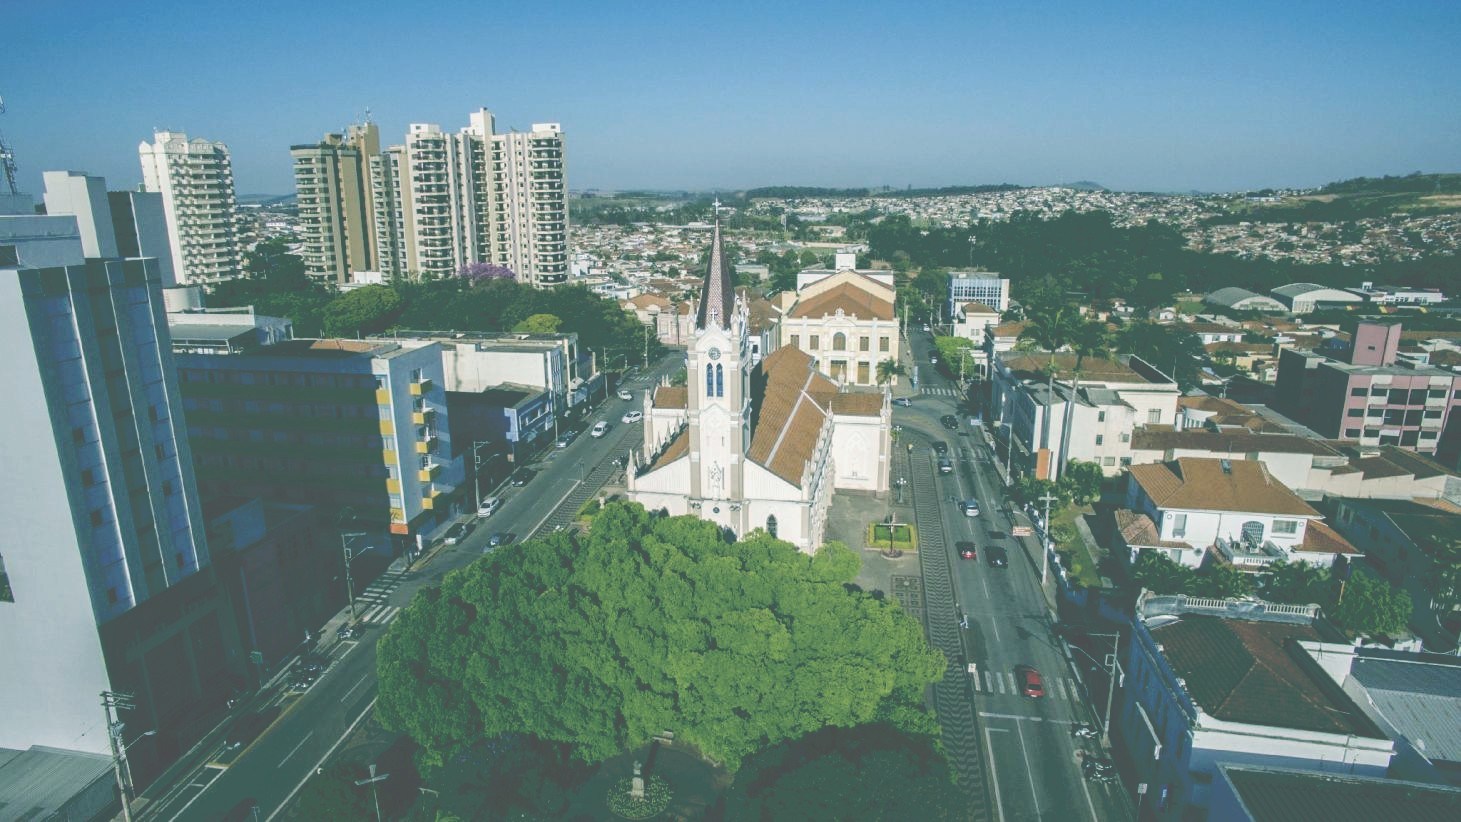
(985,287)
(195,179)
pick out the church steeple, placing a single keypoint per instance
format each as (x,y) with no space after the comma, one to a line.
(718,295)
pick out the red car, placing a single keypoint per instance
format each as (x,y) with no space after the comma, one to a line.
(967,550)
(1030,682)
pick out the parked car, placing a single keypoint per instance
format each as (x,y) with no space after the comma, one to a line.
(489,506)
(966,550)
(632,417)
(348,631)
(565,439)
(996,556)
(600,428)
(624,394)
(970,507)
(1031,683)
(933,359)
(522,477)
(903,401)
(926,328)
(945,465)
(454,534)
(949,421)
(941,448)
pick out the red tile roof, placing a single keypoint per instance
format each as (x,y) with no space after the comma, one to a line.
(1201,484)
(851,300)
(671,396)
(794,405)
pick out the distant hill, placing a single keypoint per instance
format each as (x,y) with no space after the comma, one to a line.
(1084,185)
(1414,195)
(1416,183)
(264,199)
(798,192)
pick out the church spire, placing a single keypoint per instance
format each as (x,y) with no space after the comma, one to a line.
(718,295)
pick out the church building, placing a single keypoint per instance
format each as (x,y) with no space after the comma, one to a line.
(751,444)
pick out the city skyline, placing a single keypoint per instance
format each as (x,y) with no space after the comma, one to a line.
(1163,98)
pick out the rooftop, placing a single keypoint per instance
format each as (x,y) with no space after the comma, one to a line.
(508,394)
(1207,484)
(1280,795)
(847,298)
(1238,443)
(671,396)
(791,409)
(1420,695)
(1254,672)
(858,403)
(37,783)
(1032,366)
(327,349)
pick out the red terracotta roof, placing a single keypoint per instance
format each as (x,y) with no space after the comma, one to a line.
(851,300)
(671,396)
(1201,484)
(794,405)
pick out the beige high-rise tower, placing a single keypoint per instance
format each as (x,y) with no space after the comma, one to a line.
(332,180)
(531,226)
(195,178)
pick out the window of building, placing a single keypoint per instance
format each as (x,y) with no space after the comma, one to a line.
(1100,438)
(709,380)
(839,341)
(1357,391)
(1378,390)
(158,451)
(1125,437)
(815,342)
(1372,432)
(796,341)
(864,373)
(1352,433)
(1409,437)
(864,343)
(1125,461)
(152,413)
(1427,435)
(111,596)
(1253,532)
(1286,527)
(1436,394)
(1417,396)
(1154,416)
(1355,412)
(88,478)
(1433,413)
(771,524)
(78,436)
(1398,396)
(1179,525)
(719,380)
(882,344)
(1109,462)
(166,488)
(1100,416)
(98,518)
(1375,413)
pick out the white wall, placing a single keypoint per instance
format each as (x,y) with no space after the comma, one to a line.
(84,197)
(1204,527)
(861,453)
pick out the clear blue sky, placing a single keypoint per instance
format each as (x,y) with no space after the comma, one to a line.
(1153,96)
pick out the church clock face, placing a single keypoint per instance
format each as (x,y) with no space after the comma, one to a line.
(714,353)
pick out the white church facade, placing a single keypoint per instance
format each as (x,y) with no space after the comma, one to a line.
(751,444)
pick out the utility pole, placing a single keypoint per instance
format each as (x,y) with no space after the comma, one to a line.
(1045,552)
(477,471)
(349,557)
(111,702)
(371,782)
(1009,452)
(646,343)
(1113,667)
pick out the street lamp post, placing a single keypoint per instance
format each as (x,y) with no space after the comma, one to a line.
(1009,453)
(112,702)
(477,471)
(1113,668)
(371,782)
(349,558)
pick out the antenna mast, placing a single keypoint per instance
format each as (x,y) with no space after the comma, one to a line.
(7,158)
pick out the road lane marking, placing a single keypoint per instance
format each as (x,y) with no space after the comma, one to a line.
(1022,718)
(994,777)
(331,752)
(1029,771)
(999,681)
(295,749)
(363,680)
(1087,790)
(1013,689)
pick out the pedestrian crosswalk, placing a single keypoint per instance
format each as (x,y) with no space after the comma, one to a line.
(373,604)
(1004,682)
(936,391)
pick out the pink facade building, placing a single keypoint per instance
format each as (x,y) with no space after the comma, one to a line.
(1372,399)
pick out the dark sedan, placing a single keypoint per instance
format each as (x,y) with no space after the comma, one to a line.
(949,421)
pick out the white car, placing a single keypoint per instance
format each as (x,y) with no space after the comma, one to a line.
(489,506)
(600,428)
(632,416)
(625,395)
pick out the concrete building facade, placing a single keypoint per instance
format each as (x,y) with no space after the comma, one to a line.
(195,179)
(845,323)
(336,212)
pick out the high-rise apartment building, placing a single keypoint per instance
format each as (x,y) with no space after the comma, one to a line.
(107,584)
(440,201)
(112,223)
(195,178)
(336,219)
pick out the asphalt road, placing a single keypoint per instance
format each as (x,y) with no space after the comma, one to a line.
(1032,761)
(311,724)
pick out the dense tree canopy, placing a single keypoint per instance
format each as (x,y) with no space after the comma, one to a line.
(650,624)
(865,773)
(368,310)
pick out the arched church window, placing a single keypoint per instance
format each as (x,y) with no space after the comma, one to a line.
(839,341)
(771,525)
(709,380)
(719,381)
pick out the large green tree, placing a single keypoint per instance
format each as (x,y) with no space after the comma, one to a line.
(1171,349)
(865,773)
(1368,605)
(367,310)
(650,624)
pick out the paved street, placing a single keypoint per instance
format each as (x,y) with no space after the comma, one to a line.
(310,724)
(1030,758)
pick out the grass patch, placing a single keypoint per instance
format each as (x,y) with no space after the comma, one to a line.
(1075,555)
(903,537)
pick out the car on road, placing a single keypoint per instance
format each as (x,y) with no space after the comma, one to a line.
(945,465)
(565,439)
(625,395)
(489,506)
(967,550)
(949,421)
(970,507)
(933,359)
(926,328)
(632,417)
(455,534)
(1031,683)
(996,556)
(941,448)
(600,428)
(348,632)
(500,538)
(903,401)
(522,477)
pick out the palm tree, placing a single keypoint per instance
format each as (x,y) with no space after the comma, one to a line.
(888,369)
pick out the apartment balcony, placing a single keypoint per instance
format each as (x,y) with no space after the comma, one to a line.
(430,499)
(429,471)
(1249,556)
(420,387)
(387,428)
(423,416)
(382,396)
(393,486)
